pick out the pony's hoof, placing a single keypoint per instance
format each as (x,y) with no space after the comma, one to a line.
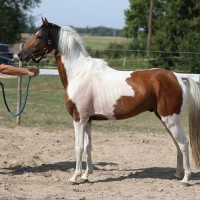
(81,180)
(185,184)
(72,183)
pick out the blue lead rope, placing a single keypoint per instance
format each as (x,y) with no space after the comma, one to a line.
(24,103)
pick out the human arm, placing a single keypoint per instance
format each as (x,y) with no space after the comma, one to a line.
(16,71)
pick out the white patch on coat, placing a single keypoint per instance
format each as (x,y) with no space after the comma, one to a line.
(173,123)
(94,87)
(184,89)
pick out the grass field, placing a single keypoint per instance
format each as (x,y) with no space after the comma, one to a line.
(97,42)
(46,108)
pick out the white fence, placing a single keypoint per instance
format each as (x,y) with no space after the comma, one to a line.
(54,72)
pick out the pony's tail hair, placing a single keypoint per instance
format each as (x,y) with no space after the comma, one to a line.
(194,120)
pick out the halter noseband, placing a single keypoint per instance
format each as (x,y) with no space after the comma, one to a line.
(45,50)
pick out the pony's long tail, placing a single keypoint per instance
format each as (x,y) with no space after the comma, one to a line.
(194,120)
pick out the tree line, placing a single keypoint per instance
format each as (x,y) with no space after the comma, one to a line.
(93,31)
(100,31)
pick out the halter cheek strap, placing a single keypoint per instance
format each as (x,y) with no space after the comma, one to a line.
(37,61)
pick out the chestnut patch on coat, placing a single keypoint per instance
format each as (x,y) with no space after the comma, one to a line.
(71,108)
(61,71)
(155,90)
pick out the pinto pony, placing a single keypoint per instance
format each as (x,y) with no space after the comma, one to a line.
(94,91)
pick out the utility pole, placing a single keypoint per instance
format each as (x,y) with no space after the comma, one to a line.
(150,26)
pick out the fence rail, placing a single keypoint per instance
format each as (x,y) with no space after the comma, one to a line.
(54,72)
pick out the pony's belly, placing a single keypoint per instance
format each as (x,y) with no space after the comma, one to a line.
(106,115)
(105,108)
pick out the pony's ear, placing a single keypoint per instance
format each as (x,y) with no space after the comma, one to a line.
(45,22)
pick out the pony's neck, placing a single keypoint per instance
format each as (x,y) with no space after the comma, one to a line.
(76,61)
(77,66)
(71,58)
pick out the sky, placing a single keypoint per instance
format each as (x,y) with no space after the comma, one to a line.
(82,13)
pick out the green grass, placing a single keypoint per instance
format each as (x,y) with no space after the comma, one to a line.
(46,109)
(98,42)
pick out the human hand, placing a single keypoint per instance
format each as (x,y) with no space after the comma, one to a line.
(33,72)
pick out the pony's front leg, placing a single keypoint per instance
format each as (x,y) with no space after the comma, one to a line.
(87,148)
(79,128)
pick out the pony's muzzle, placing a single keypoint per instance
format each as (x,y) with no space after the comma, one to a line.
(23,55)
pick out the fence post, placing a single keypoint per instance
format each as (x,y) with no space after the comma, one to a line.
(18,119)
(124,61)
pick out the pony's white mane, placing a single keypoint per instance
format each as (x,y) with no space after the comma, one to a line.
(70,42)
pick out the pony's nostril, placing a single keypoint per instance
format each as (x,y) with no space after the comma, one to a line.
(20,56)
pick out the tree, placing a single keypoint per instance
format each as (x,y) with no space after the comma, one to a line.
(136,21)
(13,18)
(175,28)
(136,18)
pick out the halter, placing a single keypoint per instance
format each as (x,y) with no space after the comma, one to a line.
(45,50)
(37,61)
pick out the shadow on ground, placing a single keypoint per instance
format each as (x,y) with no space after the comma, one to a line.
(143,173)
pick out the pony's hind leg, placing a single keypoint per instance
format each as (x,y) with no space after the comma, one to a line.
(173,124)
(179,166)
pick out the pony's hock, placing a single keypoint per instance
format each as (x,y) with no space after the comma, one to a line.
(94,91)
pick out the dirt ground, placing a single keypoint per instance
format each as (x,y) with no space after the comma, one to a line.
(36,164)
